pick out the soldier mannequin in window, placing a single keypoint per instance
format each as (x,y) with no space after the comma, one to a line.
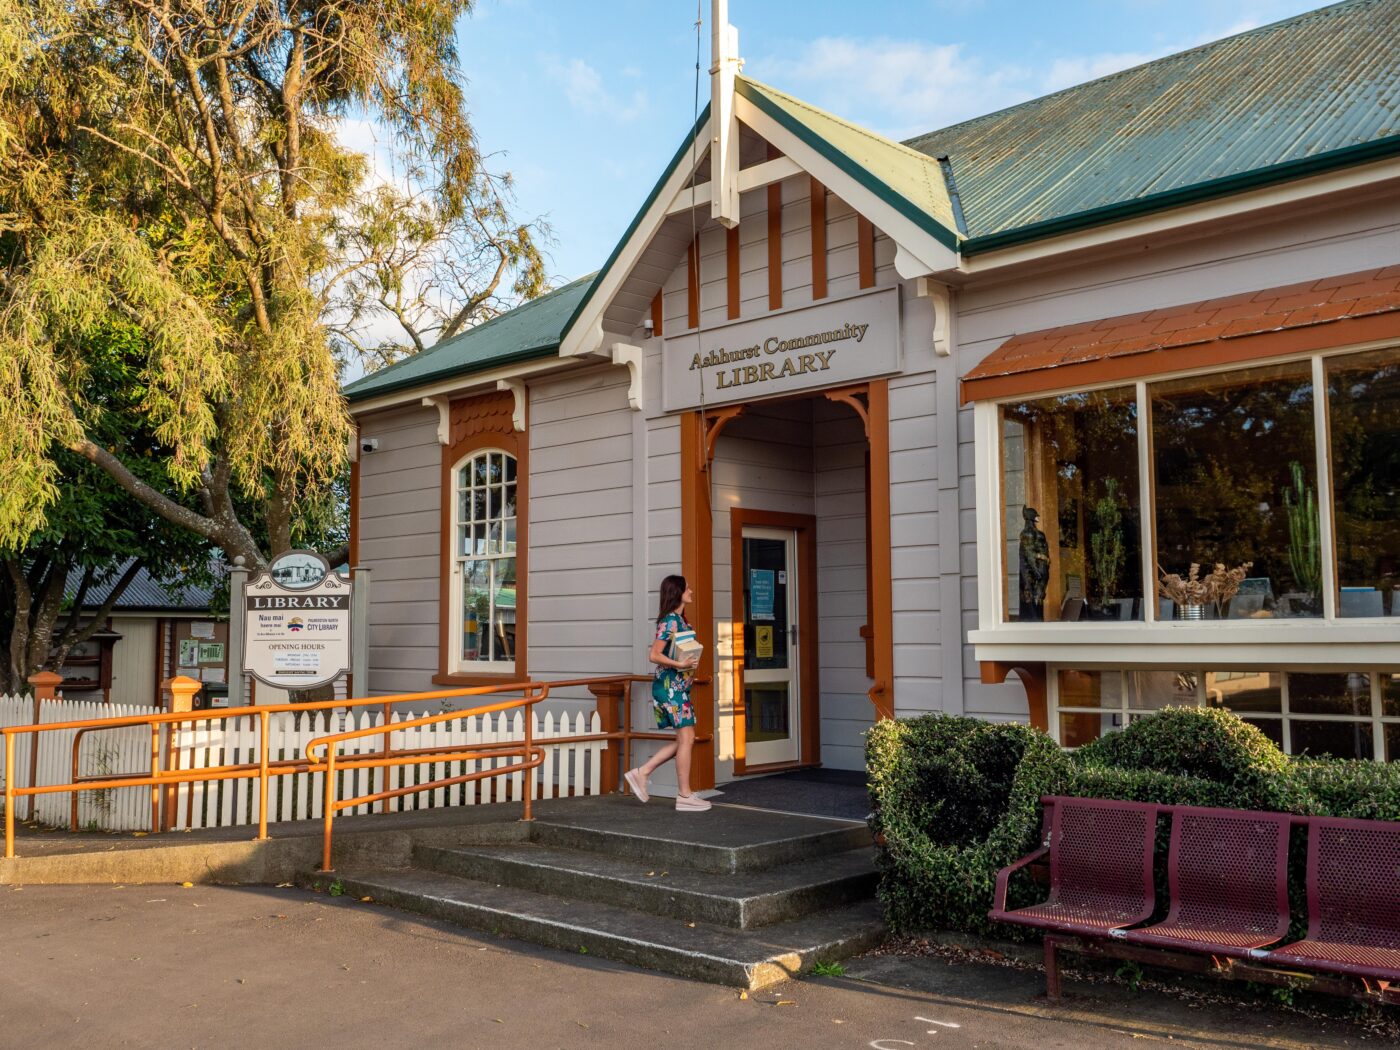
(1035,567)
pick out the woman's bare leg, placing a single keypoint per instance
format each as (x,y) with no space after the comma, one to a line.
(657,759)
(685,743)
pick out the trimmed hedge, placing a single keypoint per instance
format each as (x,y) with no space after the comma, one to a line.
(956,799)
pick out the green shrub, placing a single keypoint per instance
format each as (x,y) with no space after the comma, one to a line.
(939,853)
(957,799)
(1339,787)
(1205,742)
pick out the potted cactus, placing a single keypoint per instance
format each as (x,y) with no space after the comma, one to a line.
(1106,547)
(1304,548)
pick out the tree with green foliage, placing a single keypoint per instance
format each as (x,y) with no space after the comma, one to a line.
(173,165)
(94,535)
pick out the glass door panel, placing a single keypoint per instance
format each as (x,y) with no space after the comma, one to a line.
(771,638)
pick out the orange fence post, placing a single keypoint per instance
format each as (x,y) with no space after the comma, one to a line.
(10,797)
(609,696)
(529,749)
(182,691)
(329,804)
(45,685)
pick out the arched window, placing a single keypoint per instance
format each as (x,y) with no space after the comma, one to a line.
(483,625)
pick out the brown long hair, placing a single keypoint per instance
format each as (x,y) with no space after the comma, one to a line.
(672,587)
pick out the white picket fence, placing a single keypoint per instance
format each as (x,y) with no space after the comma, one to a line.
(569,769)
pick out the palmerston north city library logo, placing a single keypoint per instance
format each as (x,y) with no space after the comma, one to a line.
(834,342)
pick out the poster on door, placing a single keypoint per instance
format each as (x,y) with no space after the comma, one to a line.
(761,593)
(763,642)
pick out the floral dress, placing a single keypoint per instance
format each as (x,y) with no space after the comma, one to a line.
(670,689)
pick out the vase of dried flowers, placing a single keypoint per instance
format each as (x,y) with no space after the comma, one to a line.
(1193,592)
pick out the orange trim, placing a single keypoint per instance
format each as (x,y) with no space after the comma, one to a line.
(1291,319)
(867,634)
(881,569)
(658,313)
(478,423)
(809,702)
(775,246)
(1032,676)
(697,565)
(715,422)
(692,283)
(818,240)
(1242,350)
(865,250)
(731,253)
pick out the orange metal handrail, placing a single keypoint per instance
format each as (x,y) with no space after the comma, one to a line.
(526,750)
(531,755)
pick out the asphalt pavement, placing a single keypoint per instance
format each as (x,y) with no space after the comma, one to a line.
(266,968)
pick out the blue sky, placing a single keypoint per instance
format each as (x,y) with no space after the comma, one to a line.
(584,101)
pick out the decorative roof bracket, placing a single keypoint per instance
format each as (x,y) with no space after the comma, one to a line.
(517,412)
(631,357)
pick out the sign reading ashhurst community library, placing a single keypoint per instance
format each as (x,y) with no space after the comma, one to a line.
(834,342)
(297,631)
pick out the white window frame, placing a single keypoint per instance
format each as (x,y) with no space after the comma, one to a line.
(1326,640)
(457,663)
(1377,718)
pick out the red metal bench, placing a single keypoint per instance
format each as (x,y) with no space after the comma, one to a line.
(1100,867)
(1353,901)
(1228,894)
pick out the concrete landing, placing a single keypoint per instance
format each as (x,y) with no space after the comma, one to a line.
(724,840)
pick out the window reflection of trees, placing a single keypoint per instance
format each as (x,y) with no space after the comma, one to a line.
(1363,395)
(1225,452)
(1074,459)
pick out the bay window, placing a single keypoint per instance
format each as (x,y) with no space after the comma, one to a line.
(1286,476)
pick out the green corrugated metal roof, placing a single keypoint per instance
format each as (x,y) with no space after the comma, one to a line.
(1292,97)
(910,181)
(530,330)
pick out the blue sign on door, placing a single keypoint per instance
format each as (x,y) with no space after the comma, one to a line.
(761,591)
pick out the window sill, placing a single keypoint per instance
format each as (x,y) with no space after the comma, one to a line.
(465,680)
(1319,643)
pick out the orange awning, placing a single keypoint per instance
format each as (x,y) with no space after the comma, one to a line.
(1296,318)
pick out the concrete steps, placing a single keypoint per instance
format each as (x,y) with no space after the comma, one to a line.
(743,901)
(736,897)
(719,955)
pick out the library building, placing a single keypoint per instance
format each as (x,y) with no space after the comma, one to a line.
(1060,415)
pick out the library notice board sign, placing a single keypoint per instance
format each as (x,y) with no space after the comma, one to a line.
(296,636)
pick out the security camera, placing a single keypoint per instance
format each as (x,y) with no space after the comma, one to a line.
(369,445)
(648,326)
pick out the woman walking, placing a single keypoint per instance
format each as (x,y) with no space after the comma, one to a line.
(670,697)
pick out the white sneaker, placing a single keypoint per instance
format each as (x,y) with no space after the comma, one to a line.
(691,804)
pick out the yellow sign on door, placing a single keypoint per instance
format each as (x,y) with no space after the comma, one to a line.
(763,642)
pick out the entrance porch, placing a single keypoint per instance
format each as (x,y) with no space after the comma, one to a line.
(786,547)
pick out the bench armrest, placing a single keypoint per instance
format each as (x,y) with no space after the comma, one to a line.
(1004,877)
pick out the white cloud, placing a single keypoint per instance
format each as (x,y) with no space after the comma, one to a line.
(899,87)
(585,91)
(903,88)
